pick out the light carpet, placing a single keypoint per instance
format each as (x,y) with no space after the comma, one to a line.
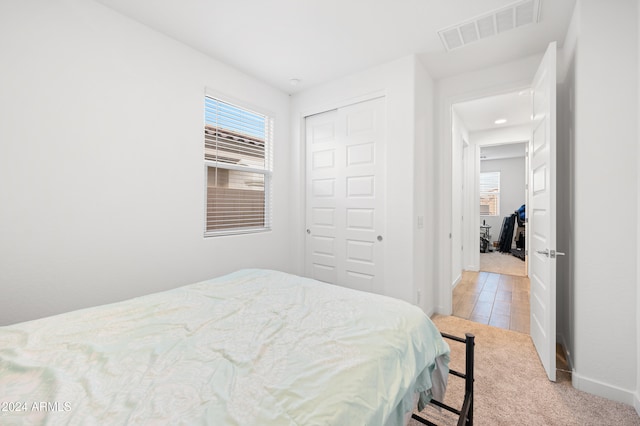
(502,263)
(511,386)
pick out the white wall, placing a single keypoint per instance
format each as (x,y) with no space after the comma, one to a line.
(503,78)
(602,87)
(637,394)
(512,189)
(101,161)
(460,135)
(424,181)
(470,208)
(397,80)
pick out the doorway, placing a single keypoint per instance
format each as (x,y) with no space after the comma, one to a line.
(542,250)
(490,139)
(503,199)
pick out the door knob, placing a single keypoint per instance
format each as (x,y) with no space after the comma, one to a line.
(308,231)
(550,253)
(379,238)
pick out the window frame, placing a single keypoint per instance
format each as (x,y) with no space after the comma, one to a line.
(496,194)
(267,171)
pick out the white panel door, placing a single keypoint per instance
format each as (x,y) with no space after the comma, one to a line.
(542,212)
(345,200)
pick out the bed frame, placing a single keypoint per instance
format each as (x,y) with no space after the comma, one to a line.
(466,412)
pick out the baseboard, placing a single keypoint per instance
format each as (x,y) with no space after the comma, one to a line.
(439,310)
(596,387)
(456,281)
(567,351)
(604,390)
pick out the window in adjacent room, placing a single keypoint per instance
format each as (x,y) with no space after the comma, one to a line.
(490,194)
(238,163)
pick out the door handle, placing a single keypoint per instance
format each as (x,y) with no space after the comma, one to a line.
(379,238)
(550,253)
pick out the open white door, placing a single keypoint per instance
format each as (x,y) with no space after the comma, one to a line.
(542,213)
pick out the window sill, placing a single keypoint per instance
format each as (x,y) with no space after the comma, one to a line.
(235,232)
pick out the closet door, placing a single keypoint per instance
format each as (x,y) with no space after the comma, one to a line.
(345,195)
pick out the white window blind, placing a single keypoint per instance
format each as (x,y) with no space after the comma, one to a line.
(490,194)
(238,162)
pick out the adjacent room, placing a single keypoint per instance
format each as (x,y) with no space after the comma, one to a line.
(287,212)
(490,143)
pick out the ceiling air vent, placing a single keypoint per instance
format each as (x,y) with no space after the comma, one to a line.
(518,14)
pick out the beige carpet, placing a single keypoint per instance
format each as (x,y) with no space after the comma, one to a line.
(511,387)
(502,263)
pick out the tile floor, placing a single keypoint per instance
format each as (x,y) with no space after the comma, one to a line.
(494,299)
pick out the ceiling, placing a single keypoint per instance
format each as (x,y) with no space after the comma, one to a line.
(316,41)
(481,114)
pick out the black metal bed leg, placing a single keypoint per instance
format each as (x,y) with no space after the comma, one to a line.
(469,373)
(465,414)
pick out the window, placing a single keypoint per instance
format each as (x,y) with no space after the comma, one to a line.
(238,163)
(490,194)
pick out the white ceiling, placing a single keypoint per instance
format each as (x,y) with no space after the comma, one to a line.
(481,114)
(318,40)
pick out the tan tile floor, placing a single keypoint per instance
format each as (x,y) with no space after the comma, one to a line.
(494,299)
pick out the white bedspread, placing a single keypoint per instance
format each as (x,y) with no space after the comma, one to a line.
(254,347)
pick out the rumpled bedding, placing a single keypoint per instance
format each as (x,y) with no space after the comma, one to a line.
(255,347)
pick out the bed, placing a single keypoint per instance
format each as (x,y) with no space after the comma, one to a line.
(255,347)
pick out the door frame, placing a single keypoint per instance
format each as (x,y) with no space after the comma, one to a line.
(474,208)
(445,215)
